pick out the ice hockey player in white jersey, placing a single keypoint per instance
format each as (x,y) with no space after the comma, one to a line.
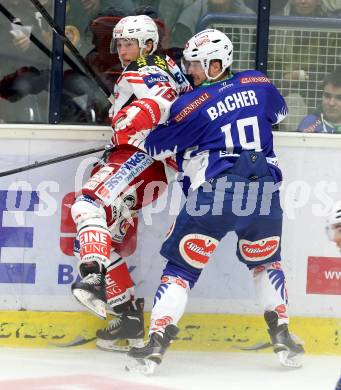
(105,210)
(221,137)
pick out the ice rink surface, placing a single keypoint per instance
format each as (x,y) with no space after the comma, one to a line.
(73,369)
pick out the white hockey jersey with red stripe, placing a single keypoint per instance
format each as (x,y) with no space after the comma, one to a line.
(154,77)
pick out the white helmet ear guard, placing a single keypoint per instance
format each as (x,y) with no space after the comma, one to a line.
(139,27)
(333,219)
(210,45)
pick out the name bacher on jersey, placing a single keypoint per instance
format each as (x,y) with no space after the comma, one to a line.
(232,102)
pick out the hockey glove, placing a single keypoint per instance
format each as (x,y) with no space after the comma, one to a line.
(140,115)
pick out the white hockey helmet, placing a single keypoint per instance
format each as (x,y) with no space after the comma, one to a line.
(210,45)
(139,27)
(333,220)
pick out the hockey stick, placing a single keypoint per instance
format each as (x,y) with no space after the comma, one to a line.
(255,347)
(37,42)
(88,70)
(38,164)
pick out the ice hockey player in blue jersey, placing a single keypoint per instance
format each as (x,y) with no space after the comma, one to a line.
(221,137)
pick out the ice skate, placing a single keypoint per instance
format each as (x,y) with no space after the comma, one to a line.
(288,350)
(145,360)
(124,331)
(90,292)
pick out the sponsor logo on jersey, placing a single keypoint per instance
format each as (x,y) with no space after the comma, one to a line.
(259,250)
(169,94)
(98,178)
(153,79)
(196,249)
(254,80)
(128,171)
(191,107)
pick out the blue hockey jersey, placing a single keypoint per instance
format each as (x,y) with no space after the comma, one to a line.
(209,127)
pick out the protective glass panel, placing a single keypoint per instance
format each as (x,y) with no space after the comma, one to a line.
(25,62)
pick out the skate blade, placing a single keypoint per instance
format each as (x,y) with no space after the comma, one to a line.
(95,305)
(119,345)
(288,360)
(144,367)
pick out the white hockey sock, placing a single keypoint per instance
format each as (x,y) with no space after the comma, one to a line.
(271,289)
(169,303)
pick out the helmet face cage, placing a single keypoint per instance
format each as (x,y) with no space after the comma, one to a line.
(210,45)
(140,27)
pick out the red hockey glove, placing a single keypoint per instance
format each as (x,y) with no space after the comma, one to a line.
(140,115)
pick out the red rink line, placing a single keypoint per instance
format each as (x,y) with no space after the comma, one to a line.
(78,382)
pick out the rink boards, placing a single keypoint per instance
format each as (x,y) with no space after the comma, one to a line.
(37,267)
(198,332)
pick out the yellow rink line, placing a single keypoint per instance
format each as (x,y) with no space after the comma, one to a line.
(199,332)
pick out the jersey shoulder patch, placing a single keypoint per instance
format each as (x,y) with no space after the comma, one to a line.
(151,60)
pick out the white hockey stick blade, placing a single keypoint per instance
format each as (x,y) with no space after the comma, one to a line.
(289,360)
(140,366)
(93,304)
(119,345)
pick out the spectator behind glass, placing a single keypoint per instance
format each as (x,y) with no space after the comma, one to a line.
(80,13)
(170,11)
(328,118)
(186,25)
(17,51)
(299,57)
(308,8)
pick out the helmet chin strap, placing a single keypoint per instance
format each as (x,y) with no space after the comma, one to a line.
(210,78)
(141,50)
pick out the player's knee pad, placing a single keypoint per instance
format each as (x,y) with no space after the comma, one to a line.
(118,283)
(169,302)
(93,235)
(271,289)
